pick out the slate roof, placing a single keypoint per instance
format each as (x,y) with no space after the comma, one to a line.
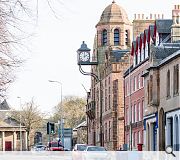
(164,25)
(5,116)
(167,59)
(4,124)
(165,50)
(146,32)
(117,55)
(134,44)
(151,30)
(4,105)
(83,124)
(142,36)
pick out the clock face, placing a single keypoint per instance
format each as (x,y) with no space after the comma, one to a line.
(84,56)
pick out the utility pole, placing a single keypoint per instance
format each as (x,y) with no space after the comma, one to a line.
(62,115)
(20,127)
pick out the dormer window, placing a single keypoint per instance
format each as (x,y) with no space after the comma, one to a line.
(104,37)
(142,54)
(157,40)
(146,51)
(116,37)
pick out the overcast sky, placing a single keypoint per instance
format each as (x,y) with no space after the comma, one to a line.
(53,48)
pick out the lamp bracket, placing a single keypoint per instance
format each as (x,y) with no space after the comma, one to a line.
(88,73)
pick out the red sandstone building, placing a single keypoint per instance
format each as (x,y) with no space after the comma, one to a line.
(111,47)
(134,83)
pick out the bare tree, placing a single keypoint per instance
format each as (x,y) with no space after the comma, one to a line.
(14,15)
(31,117)
(9,41)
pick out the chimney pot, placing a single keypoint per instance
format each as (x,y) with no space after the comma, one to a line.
(139,16)
(154,16)
(151,16)
(142,16)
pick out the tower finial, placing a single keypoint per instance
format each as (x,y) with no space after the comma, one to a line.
(113,1)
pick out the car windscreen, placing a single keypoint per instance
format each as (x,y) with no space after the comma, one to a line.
(40,146)
(96,149)
(54,144)
(81,147)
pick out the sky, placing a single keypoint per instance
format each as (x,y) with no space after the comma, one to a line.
(58,34)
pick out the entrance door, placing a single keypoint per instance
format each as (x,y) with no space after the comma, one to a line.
(154,137)
(8,146)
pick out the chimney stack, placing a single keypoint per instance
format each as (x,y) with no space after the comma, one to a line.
(151,16)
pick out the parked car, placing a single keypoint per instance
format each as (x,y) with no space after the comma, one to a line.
(39,148)
(80,147)
(96,152)
(66,149)
(95,148)
(55,146)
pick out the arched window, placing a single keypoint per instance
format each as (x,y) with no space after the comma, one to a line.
(104,37)
(148,137)
(176,80)
(127,37)
(109,130)
(151,88)
(168,84)
(148,94)
(176,134)
(116,37)
(161,130)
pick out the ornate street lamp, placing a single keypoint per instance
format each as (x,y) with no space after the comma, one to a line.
(84,58)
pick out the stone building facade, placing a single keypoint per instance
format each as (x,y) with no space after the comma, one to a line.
(169,103)
(140,23)
(111,47)
(11,131)
(80,134)
(162,103)
(110,120)
(161,116)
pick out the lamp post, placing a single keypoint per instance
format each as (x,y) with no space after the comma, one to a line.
(20,128)
(60,123)
(84,58)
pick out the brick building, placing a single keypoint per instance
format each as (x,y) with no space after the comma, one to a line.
(134,95)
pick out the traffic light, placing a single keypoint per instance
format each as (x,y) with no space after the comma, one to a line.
(50,128)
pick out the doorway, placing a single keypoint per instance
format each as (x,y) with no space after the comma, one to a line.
(8,146)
